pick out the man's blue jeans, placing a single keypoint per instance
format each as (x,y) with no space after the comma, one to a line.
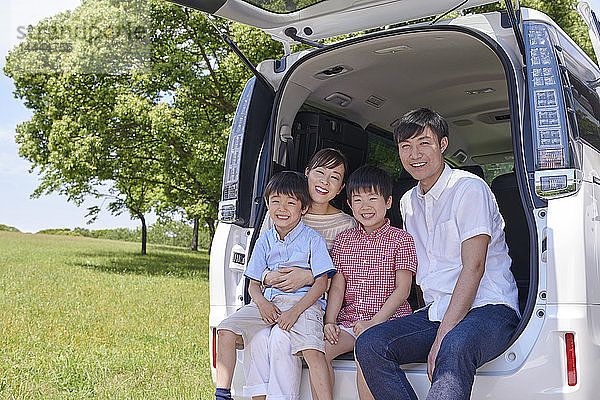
(479,337)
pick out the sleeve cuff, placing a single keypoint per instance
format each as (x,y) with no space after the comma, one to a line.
(264,276)
(481,230)
(329,273)
(253,278)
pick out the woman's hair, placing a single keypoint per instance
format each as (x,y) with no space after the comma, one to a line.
(290,183)
(329,158)
(369,177)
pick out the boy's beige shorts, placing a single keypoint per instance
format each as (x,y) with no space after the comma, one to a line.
(306,334)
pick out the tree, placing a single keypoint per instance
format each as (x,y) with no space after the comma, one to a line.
(563,12)
(86,136)
(205,79)
(150,120)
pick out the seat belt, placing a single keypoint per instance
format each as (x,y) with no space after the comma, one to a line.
(292,157)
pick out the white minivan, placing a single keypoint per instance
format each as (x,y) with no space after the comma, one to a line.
(522,101)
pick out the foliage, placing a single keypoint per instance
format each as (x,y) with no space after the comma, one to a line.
(91,319)
(6,228)
(204,79)
(88,125)
(283,6)
(152,125)
(563,12)
(163,232)
(176,233)
(124,234)
(59,231)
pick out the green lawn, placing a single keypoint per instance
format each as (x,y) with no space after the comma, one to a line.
(85,318)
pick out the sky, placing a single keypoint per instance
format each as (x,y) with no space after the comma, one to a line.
(17,208)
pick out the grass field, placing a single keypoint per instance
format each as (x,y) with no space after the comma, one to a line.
(84,318)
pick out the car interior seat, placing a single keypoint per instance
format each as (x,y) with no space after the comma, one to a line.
(506,190)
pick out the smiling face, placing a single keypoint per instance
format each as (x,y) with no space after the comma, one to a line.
(422,156)
(285,212)
(325,183)
(369,208)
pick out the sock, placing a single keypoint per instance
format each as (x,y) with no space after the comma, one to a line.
(223,394)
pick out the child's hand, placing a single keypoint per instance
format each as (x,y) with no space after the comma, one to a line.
(269,312)
(287,319)
(359,327)
(332,333)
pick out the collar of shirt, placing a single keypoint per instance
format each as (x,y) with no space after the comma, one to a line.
(291,234)
(377,232)
(439,185)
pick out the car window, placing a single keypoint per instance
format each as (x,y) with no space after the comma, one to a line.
(492,170)
(587,112)
(282,6)
(383,151)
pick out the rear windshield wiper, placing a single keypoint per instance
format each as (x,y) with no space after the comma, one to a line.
(292,33)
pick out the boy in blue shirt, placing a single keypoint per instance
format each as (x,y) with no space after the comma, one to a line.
(289,243)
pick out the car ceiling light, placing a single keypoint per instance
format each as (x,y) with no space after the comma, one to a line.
(392,50)
(480,91)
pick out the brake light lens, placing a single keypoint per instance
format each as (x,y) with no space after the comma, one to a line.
(231,174)
(571,362)
(547,104)
(214,348)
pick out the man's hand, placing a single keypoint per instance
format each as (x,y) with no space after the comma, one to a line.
(269,312)
(359,327)
(473,252)
(332,333)
(287,319)
(289,279)
(435,348)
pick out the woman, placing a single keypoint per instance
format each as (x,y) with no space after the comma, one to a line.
(326,174)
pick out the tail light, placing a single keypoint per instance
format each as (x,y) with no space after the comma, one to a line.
(571,361)
(214,347)
(547,103)
(233,159)
(553,178)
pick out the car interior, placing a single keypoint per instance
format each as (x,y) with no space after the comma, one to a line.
(351,96)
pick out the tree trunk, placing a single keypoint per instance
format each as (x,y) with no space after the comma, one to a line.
(194,244)
(211,230)
(144,231)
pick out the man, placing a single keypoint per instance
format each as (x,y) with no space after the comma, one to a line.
(463,270)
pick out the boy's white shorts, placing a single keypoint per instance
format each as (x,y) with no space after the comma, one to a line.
(306,334)
(349,330)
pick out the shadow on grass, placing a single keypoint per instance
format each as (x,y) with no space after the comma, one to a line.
(160,261)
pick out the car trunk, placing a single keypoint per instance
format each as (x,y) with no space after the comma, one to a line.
(351,94)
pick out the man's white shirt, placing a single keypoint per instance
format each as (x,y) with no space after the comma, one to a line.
(458,206)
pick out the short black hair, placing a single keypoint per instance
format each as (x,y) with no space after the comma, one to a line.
(369,177)
(290,183)
(414,122)
(329,158)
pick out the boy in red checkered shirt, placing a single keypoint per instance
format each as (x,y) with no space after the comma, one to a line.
(375,264)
